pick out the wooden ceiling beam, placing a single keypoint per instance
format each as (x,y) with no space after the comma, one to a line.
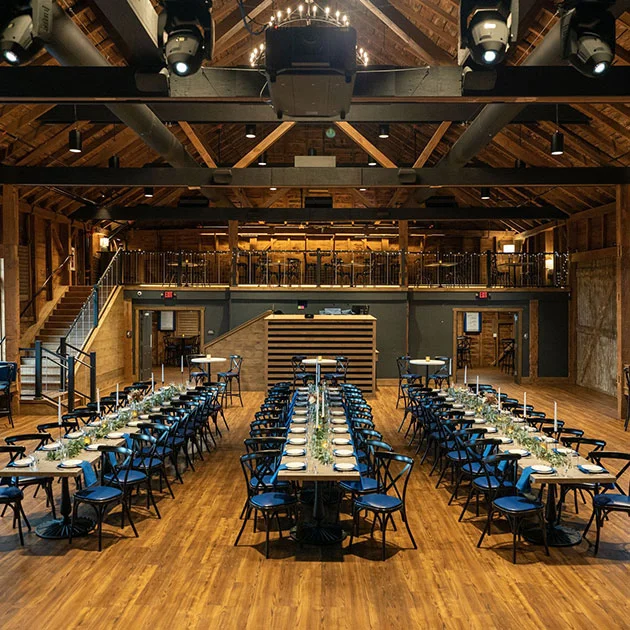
(264,144)
(198,144)
(538,230)
(233,24)
(421,44)
(365,144)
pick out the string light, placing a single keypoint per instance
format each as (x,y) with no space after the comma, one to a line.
(307,13)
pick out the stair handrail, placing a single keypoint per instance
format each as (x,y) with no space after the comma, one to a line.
(45,283)
(94,303)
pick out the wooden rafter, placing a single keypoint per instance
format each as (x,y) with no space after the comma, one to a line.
(234,23)
(365,144)
(420,43)
(198,144)
(264,144)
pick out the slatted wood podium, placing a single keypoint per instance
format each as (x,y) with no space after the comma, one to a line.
(353,336)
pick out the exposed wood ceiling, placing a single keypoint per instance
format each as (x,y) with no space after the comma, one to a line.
(381,29)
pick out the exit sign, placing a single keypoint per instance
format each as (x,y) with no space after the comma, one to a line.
(169,295)
(483,295)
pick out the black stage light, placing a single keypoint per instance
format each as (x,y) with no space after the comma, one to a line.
(588,37)
(17,43)
(188,35)
(487,29)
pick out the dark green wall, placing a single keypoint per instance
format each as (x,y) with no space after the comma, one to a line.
(421,319)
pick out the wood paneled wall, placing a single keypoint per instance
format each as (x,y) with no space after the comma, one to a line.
(485,347)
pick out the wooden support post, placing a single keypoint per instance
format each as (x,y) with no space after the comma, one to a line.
(623,291)
(11,271)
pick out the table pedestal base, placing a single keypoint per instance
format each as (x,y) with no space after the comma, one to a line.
(318,534)
(60,528)
(557,536)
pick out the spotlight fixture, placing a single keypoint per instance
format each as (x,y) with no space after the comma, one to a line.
(485,192)
(148,192)
(371,161)
(487,29)
(557,143)
(588,36)
(188,35)
(362,189)
(18,44)
(114,162)
(250,131)
(262,159)
(383,130)
(75,141)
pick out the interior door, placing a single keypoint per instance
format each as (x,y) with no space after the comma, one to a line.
(146,345)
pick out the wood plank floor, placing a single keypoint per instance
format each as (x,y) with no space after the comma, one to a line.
(183,571)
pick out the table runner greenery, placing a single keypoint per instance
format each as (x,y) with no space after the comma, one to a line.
(485,407)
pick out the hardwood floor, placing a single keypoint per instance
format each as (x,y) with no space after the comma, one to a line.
(184,572)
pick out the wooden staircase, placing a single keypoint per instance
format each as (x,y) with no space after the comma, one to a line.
(56,326)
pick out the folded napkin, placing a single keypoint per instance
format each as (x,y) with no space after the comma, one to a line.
(274,477)
(88,474)
(524,484)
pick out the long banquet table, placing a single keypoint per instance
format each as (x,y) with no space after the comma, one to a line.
(317,530)
(558,535)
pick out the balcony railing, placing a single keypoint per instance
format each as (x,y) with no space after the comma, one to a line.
(339,268)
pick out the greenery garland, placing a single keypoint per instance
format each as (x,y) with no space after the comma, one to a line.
(503,421)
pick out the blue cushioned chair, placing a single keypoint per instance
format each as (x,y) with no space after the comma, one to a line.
(607,501)
(102,495)
(499,480)
(392,474)
(259,470)
(10,495)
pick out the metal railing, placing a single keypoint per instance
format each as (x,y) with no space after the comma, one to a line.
(88,316)
(488,269)
(177,268)
(345,268)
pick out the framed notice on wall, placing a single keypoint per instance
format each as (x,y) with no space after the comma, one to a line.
(472,322)
(167,321)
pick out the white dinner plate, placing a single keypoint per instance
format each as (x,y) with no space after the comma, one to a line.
(299,412)
(338,421)
(469,413)
(297,430)
(344,466)
(343,452)
(133,423)
(71,463)
(340,430)
(491,430)
(295,452)
(338,412)
(479,420)
(517,420)
(95,423)
(563,450)
(297,441)
(592,468)
(341,441)
(24,462)
(115,435)
(458,405)
(449,399)
(53,446)
(144,416)
(74,435)
(542,469)
(295,465)
(506,440)
(519,451)
(92,447)
(298,421)
(549,439)
(531,429)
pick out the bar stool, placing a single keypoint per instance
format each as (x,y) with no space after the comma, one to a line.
(233,374)
(464,357)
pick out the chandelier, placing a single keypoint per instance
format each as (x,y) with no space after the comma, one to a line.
(308,13)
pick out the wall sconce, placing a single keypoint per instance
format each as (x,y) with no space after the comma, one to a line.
(104,243)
